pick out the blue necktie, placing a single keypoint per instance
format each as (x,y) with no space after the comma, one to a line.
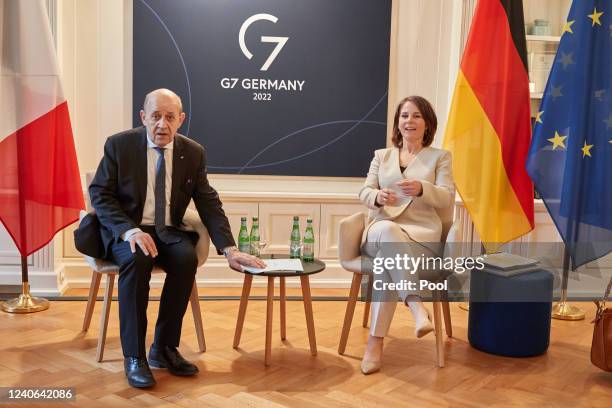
(160,198)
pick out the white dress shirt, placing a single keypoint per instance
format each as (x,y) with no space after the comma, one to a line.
(148,213)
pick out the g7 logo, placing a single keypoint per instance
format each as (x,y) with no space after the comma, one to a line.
(280,41)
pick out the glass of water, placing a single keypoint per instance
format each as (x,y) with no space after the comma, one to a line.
(262,239)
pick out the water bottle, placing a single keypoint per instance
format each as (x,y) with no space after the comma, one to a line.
(308,241)
(254,239)
(243,237)
(294,242)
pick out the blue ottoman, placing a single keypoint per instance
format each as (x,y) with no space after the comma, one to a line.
(510,316)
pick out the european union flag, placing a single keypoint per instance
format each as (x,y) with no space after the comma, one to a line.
(570,158)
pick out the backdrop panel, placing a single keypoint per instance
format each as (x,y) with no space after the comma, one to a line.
(310,101)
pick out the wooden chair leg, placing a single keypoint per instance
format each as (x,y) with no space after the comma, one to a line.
(244,300)
(305,281)
(366,310)
(350,310)
(283,319)
(194,299)
(269,312)
(91,298)
(108,298)
(438,332)
(447,318)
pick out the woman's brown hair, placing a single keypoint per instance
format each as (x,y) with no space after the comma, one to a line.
(429,116)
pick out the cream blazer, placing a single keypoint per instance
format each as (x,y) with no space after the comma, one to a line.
(418,217)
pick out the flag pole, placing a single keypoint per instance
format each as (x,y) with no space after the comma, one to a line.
(466,304)
(563,310)
(25,303)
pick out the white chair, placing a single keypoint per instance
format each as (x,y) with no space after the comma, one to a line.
(349,252)
(101,267)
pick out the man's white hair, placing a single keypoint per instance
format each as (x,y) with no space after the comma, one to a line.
(166,92)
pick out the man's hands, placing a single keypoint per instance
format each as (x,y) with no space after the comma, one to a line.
(144,241)
(236,259)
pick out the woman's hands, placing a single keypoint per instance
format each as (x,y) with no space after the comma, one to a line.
(386,197)
(412,188)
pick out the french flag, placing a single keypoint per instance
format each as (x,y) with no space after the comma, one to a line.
(40,186)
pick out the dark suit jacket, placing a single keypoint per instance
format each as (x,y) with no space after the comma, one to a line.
(119,188)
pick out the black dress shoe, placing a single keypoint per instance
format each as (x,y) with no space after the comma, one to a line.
(138,373)
(170,358)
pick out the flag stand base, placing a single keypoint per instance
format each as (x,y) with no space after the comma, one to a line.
(25,303)
(565,311)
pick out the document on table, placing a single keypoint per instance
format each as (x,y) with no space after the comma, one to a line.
(277,265)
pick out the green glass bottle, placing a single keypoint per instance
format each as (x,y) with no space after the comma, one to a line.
(294,241)
(243,237)
(254,238)
(308,241)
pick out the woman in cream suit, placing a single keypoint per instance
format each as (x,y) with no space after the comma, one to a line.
(405,184)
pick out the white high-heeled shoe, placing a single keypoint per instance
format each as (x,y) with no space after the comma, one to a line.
(423,326)
(370,366)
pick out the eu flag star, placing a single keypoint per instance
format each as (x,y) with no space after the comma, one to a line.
(538,117)
(567,27)
(586,149)
(595,17)
(566,59)
(556,92)
(557,141)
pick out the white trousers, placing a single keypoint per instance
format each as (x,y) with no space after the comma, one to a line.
(381,236)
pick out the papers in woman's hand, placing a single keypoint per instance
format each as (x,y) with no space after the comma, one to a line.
(400,197)
(277,265)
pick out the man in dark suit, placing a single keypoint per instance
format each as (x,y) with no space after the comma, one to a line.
(140,192)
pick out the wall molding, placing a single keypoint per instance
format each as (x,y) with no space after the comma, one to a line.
(41,273)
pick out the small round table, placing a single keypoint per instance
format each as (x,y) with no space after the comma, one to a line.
(309,269)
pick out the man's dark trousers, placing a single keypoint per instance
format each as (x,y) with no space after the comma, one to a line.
(179,261)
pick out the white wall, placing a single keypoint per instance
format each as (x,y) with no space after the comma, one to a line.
(428,42)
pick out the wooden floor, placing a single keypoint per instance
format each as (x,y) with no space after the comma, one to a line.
(48,349)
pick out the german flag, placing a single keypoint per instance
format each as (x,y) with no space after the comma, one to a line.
(488,129)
